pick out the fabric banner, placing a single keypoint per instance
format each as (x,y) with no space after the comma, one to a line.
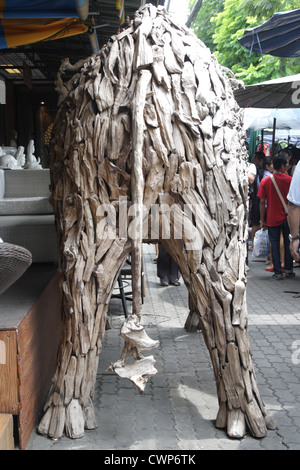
(29,21)
(32,30)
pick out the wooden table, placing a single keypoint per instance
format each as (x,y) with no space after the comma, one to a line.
(29,339)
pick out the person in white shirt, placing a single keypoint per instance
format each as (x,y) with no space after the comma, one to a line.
(251,173)
(294,213)
(255,174)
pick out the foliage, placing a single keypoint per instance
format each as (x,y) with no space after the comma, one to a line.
(204,27)
(220,23)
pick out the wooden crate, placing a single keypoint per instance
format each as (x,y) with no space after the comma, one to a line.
(6,432)
(28,353)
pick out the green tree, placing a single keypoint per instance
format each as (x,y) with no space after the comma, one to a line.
(204,26)
(221,25)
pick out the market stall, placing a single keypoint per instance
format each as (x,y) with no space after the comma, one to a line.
(274,104)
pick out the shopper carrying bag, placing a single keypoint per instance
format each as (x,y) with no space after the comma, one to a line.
(273,192)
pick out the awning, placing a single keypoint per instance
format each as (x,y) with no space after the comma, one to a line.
(279,93)
(263,118)
(38,9)
(29,21)
(279,36)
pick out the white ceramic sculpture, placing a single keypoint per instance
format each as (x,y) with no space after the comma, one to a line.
(31,162)
(20,156)
(9,150)
(13,162)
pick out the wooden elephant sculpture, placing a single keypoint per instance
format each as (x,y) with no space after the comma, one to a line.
(149,146)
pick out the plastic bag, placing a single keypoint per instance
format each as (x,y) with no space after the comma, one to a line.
(261,243)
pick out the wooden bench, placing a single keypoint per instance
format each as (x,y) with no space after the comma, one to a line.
(29,339)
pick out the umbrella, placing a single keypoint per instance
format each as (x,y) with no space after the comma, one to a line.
(278,93)
(279,36)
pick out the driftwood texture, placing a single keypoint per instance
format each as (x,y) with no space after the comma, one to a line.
(150,122)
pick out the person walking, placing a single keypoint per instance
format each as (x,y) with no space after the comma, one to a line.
(273,191)
(294,213)
(255,174)
(167,269)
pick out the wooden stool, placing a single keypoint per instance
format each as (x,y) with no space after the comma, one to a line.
(126,275)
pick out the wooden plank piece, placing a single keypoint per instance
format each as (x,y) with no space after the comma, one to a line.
(9,400)
(6,432)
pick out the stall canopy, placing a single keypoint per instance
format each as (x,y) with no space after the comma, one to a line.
(29,21)
(284,123)
(282,92)
(279,36)
(274,104)
(257,119)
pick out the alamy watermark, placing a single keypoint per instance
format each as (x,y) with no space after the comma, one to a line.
(296,94)
(296,353)
(161,221)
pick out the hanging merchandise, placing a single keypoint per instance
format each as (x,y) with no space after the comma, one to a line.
(264,147)
(121,8)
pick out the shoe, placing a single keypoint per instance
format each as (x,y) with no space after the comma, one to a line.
(269,269)
(277,277)
(175,283)
(289,275)
(164,283)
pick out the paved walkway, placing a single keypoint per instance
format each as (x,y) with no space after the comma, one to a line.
(178,409)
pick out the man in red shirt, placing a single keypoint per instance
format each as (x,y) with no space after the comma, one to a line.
(274,217)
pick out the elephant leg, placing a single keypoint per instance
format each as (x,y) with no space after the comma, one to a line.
(240,403)
(217,293)
(221,313)
(69,408)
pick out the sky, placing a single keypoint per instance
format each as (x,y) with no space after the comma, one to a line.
(179,9)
